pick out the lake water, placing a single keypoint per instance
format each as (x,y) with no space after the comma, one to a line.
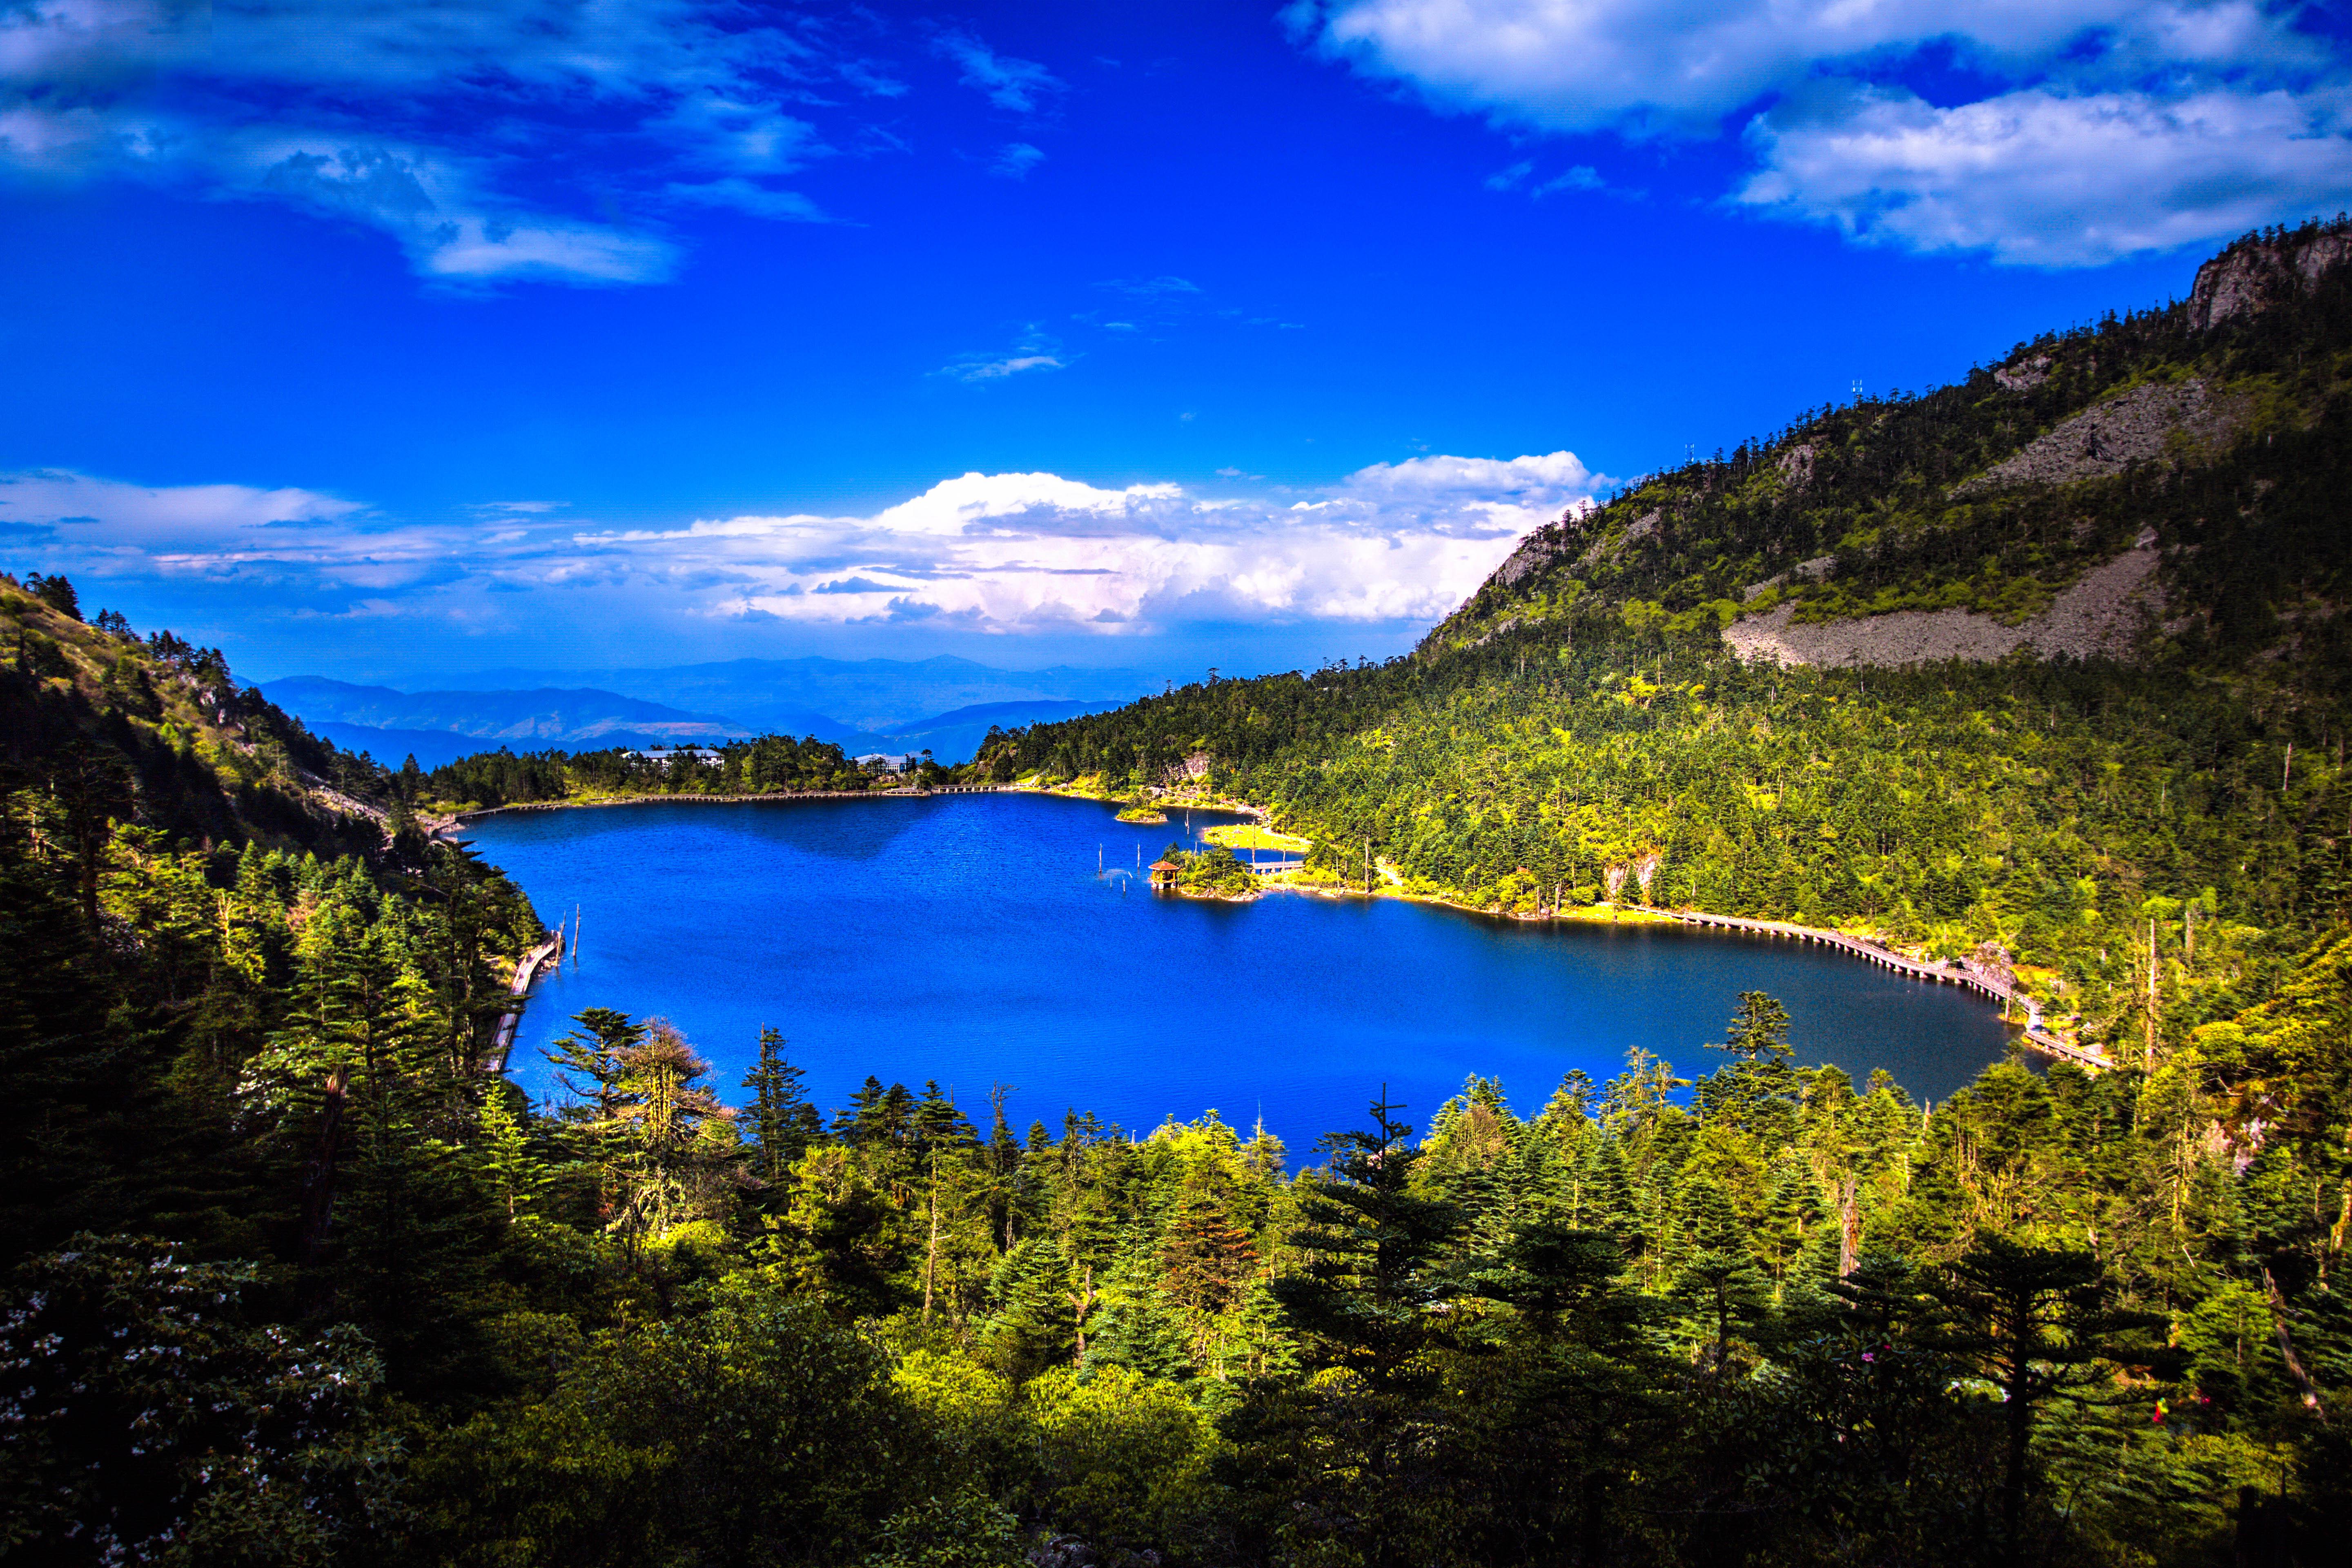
(969,939)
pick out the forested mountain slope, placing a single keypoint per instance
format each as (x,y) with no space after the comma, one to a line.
(2209,434)
(1588,712)
(161,724)
(175,854)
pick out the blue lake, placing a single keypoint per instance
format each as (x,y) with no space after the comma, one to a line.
(969,939)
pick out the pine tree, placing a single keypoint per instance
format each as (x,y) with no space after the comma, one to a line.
(782,1117)
(1759,1029)
(2034,1321)
(593,1065)
(1373,1252)
(513,1173)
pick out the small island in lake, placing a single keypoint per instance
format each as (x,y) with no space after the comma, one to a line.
(1207,874)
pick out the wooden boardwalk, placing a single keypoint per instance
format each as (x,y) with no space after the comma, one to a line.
(2038,1035)
(502,1043)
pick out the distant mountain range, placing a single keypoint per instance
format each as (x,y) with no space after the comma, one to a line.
(867,696)
(436,727)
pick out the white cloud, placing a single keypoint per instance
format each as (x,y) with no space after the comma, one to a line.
(2111,126)
(433,206)
(1007,553)
(67,41)
(1582,177)
(2045,180)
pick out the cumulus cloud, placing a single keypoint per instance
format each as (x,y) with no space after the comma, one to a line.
(1028,552)
(2105,127)
(1662,66)
(1009,553)
(373,113)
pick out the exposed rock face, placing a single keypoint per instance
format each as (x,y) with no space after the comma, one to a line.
(1641,528)
(2024,374)
(1535,551)
(2098,615)
(1797,466)
(2246,279)
(2123,430)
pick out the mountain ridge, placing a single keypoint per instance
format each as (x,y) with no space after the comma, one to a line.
(1994,495)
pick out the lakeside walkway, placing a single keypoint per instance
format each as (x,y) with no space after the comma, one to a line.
(2038,1035)
(502,1043)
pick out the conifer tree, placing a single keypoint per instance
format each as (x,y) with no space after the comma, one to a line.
(783,1119)
(2032,1320)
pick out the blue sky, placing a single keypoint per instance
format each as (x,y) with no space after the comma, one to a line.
(393,339)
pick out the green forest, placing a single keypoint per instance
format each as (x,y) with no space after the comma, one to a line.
(772,764)
(294,1276)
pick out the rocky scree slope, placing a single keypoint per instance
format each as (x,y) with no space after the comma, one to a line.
(2169,475)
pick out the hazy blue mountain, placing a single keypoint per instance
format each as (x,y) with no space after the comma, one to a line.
(431,748)
(953,737)
(546,716)
(868,695)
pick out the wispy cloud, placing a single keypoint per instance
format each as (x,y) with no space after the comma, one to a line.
(491,142)
(983,369)
(1152,288)
(1582,177)
(1015,161)
(2098,129)
(1016,85)
(759,201)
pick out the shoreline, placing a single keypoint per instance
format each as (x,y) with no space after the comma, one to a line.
(443,829)
(2035,1035)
